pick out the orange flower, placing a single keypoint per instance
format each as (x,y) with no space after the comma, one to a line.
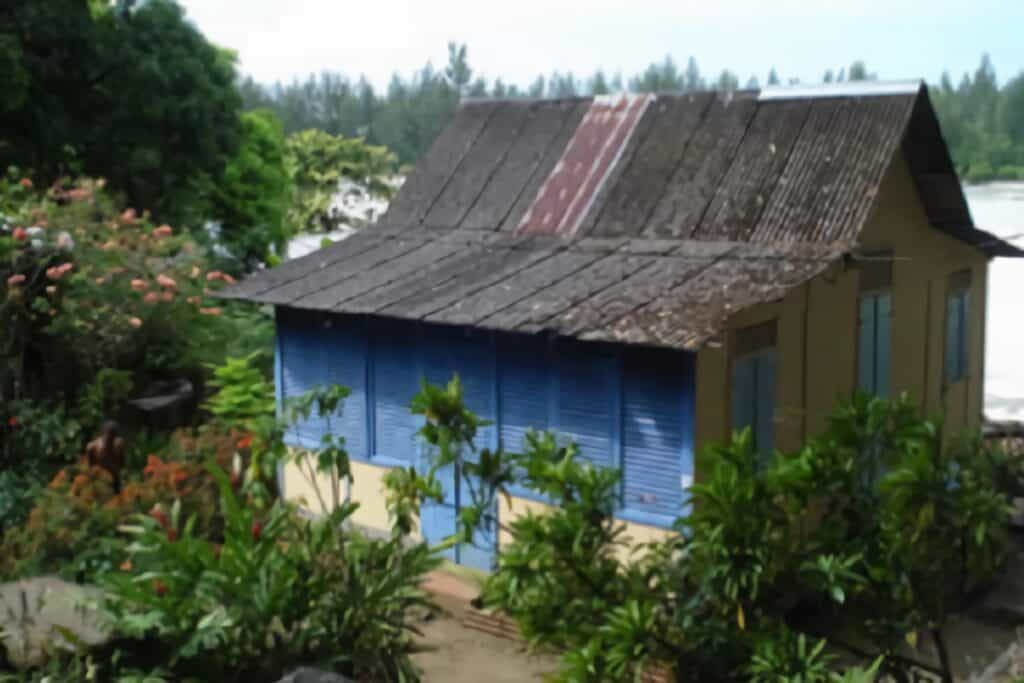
(139,285)
(163,231)
(13,422)
(20,234)
(153,465)
(126,566)
(213,275)
(211,311)
(245,441)
(228,279)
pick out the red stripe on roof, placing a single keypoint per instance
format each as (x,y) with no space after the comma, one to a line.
(597,145)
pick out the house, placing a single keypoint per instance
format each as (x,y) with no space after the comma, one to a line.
(644,274)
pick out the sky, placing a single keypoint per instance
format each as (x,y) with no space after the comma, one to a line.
(899,39)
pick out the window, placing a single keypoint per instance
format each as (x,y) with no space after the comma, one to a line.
(753,385)
(874,330)
(957,320)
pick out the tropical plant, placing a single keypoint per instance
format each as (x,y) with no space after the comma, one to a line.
(874,531)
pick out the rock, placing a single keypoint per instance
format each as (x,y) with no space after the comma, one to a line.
(314,676)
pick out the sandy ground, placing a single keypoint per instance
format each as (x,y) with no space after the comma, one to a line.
(467,656)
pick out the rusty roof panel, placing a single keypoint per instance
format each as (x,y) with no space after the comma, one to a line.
(570,190)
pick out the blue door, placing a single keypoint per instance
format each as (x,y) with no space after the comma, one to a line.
(444,353)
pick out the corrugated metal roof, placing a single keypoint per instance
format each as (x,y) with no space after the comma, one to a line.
(639,220)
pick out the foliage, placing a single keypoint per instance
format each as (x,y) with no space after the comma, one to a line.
(133,93)
(244,394)
(253,194)
(320,165)
(874,531)
(273,590)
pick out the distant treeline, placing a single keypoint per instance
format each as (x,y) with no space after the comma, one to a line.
(983,123)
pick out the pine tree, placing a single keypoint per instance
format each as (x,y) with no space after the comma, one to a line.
(773,77)
(458,72)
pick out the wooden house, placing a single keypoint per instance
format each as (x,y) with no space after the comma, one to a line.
(644,274)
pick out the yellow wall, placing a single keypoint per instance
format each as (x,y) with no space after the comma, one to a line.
(816,328)
(367,490)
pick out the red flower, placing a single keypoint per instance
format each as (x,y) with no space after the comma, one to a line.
(15,280)
(236,480)
(172,535)
(159,515)
(160,587)
(257,531)
(245,441)
(216,550)
(163,231)
(26,183)
(20,234)
(12,422)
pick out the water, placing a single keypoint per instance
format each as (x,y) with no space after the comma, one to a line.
(999,209)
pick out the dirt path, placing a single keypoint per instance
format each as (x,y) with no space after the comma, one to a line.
(468,656)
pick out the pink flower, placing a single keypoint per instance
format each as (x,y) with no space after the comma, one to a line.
(26,183)
(151,298)
(167,296)
(15,280)
(228,279)
(166,282)
(163,231)
(135,322)
(194,300)
(213,275)
(128,216)
(140,285)
(211,311)
(57,272)
(51,290)
(20,234)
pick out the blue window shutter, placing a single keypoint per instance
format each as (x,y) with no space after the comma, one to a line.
(302,368)
(866,350)
(346,365)
(394,375)
(524,385)
(586,386)
(764,435)
(883,337)
(743,385)
(654,431)
(470,355)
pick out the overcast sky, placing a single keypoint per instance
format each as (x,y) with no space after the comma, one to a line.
(518,39)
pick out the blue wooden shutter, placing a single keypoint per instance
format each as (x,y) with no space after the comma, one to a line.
(883,343)
(657,433)
(764,434)
(395,378)
(302,368)
(744,372)
(524,381)
(346,365)
(587,390)
(866,344)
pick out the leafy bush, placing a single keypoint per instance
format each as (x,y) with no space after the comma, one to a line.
(276,592)
(874,531)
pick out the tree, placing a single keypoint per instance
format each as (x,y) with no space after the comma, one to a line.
(828,77)
(251,198)
(752,83)
(599,84)
(727,80)
(692,80)
(1013,92)
(134,94)
(458,72)
(773,77)
(859,72)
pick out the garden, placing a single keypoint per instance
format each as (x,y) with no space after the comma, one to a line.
(838,562)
